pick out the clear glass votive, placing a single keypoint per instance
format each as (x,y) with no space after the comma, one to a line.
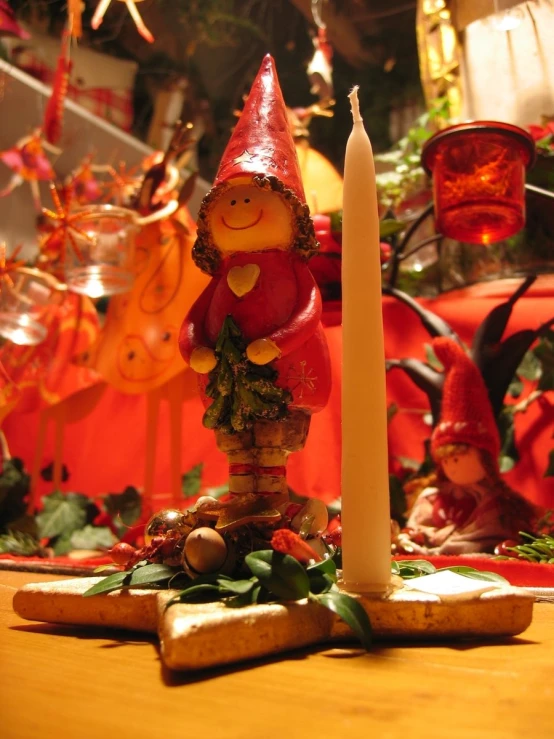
(102,263)
(23,305)
(478,171)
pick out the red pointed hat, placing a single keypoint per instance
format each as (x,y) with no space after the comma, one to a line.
(262,143)
(466,412)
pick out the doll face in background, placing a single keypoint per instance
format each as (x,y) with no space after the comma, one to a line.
(246,218)
(464,467)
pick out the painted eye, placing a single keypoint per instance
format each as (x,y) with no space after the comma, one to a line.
(233,202)
(246,200)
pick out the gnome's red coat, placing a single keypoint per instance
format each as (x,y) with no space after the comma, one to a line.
(285,306)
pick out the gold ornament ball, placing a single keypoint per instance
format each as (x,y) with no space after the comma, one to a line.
(162,523)
(205,550)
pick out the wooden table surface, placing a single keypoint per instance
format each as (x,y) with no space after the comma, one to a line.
(62,683)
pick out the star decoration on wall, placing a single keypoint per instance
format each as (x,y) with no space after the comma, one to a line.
(103,6)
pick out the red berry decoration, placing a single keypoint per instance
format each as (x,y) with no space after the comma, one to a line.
(121,553)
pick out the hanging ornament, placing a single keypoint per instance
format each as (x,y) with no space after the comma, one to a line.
(75,11)
(28,163)
(102,7)
(320,68)
(53,115)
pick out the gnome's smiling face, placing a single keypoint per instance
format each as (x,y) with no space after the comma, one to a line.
(247,218)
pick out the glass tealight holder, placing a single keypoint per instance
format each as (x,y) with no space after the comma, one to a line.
(23,304)
(102,263)
(478,171)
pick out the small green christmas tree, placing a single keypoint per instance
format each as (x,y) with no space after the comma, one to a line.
(242,391)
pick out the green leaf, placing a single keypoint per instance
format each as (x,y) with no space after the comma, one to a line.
(549,472)
(112,582)
(475,574)
(62,514)
(204,592)
(281,574)
(390,227)
(350,611)
(544,351)
(325,567)
(150,574)
(530,367)
(62,544)
(506,463)
(515,388)
(191,481)
(410,568)
(236,587)
(125,506)
(432,359)
(93,537)
(320,582)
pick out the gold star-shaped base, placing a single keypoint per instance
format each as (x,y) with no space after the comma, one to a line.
(203,635)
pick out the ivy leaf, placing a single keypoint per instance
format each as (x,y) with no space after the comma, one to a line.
(544,351)
(550,468)
(62,544)
(191,481)
(92,537)
(281,574)
(126,505)
(62,514)
(530,367)
(112,582)
(350,611)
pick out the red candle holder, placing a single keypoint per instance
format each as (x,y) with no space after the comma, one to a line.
(478,171)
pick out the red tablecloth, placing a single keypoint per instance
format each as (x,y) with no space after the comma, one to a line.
(105,452)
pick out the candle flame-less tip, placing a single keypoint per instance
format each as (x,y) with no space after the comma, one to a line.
(355,105)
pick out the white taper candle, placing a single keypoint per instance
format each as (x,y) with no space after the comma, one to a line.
(365,489)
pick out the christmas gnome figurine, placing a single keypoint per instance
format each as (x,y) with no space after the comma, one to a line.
(254,335)
(470,508)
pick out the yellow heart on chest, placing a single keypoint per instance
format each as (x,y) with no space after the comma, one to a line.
(242,279)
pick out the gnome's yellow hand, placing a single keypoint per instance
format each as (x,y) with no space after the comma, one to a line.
(262,351)
(203,360)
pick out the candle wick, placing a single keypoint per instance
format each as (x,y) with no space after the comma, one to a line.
(355,105)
